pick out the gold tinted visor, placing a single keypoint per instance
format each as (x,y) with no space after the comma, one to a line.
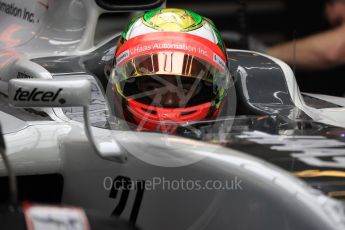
(167,63)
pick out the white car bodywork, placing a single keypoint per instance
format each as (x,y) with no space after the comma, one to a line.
(59,145)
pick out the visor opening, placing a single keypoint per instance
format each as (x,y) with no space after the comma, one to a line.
(149,111)
(188,113)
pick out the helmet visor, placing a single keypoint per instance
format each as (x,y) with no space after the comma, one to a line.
(191,74)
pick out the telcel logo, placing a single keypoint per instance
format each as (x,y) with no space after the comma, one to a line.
(38,95)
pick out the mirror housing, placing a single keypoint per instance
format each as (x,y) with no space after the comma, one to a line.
(49,93)
(72,92)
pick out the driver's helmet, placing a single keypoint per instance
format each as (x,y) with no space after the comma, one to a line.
(170,69)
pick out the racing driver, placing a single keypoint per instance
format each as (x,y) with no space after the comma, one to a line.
(170,68)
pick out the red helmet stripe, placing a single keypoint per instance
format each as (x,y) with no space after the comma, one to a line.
(173,42)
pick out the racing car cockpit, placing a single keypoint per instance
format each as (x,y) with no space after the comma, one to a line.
(257,92)
(166,100)
(238,85)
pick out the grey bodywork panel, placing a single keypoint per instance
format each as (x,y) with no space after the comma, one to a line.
(261,86)
(323,101)
(10,123)
(263,198)
(27,114)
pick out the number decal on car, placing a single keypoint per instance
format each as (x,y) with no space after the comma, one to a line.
(125,185)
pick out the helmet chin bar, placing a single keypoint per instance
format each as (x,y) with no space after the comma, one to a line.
(150,117)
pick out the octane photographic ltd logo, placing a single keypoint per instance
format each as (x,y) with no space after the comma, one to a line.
(155,138)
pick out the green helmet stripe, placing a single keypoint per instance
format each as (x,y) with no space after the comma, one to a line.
(197,18)
(148,15)
(219,38)
(134,20)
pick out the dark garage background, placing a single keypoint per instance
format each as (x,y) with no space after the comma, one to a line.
(273,21)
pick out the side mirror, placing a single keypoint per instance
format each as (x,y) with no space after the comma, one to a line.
(64,93)
(49,93)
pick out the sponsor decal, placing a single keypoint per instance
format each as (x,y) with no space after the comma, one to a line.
(218,60)
(122,183)
(169,42)
(21,75)
(39,217)
(38,95)
(10,9)
(312,150)
(16,11)
(198,51)
(122,57)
